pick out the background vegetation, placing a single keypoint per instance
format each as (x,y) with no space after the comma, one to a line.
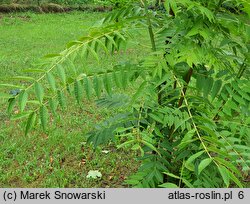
(62,2)
(39,2)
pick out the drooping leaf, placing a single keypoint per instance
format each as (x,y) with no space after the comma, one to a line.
(44,117)
(200,82)
(235,179)
(53,106)
(78,89)
(171,5)
(30,122)
(209,131)
(139,91)
(189,163)
(72,43)
(203,164)
(151,146)
(87,86)
(22,100)
(216,88)
(118,79)
(187,139)
(11,86)
(22,78)
(101,44)
(11,105)
(125,144)
(39,92)
(225,174)
(124,79)
(61,99)
(157,117)
(93,52)
(97,86)
(239,99)
(20,115)
(228,164)
(61,73)
(207,86)
(51,80)
(107,83)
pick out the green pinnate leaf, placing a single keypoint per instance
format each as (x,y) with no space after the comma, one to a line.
(151,146)
(101,44)
(44,117)
(61,99)
(171,4)
(51,80)
(22,78)
(22,100)
(97,86)
(11,86)
(235,179)
(203,164)
(200,80)
(207,86)
(109,40)
(93,52)
(157,117)
(139,91)
(189,163)
(225,174)
(216,88)
(21,115)
(124,79)
(61,73)
(238,99)
(118,79)
(232,105)
(11,105)
(78,89)
(39,91)
(229,164)
(87,86)
(30,122)
(187,139)
(125,144)
(53,106)
(171,175)
(107,83)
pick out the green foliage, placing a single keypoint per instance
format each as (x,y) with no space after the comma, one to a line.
(39,2)
(189,115)
(115,3)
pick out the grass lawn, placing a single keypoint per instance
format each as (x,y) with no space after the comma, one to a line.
(60,157)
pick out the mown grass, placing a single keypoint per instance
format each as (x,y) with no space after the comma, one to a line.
(59,157)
